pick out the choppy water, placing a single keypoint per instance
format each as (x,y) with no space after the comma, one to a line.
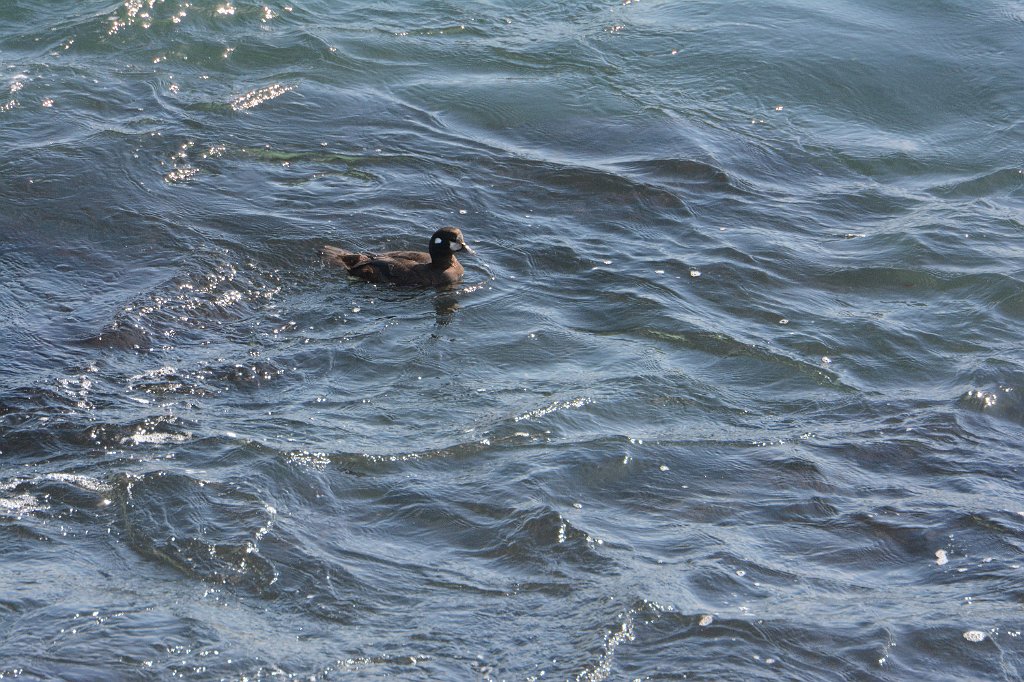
(734,389)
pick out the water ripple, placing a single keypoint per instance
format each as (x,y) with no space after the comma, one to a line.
(731,390)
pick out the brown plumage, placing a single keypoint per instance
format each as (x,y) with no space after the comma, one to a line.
(436,268)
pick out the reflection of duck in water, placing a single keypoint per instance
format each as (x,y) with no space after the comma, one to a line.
(437,268)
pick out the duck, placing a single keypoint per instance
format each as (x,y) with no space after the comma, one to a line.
(436,267)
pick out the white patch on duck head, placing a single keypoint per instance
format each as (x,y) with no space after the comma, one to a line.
(438,240)
(455,246)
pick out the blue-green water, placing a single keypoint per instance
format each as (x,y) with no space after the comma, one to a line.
(733,390)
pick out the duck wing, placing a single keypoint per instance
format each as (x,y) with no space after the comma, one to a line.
(404,268)
(411,256)
(347,259)
(350,259)
(380,268)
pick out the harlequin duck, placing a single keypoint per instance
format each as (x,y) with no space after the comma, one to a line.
(407,268)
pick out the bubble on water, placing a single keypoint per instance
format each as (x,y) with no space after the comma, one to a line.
(980,398)
(974,635)
(554,407)
(179,175)
(15,506)
(706,620)
(940,557)
(256,97)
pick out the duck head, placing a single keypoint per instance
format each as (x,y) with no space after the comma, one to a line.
(445,242)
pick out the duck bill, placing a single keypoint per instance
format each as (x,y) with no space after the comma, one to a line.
(465,247)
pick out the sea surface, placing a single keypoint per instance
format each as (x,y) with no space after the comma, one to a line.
(732,390)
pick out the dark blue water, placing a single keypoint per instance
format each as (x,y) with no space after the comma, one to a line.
(733,390)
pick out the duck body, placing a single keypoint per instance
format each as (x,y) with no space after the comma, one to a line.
(437,267)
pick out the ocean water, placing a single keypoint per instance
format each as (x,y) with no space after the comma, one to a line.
(733,389)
